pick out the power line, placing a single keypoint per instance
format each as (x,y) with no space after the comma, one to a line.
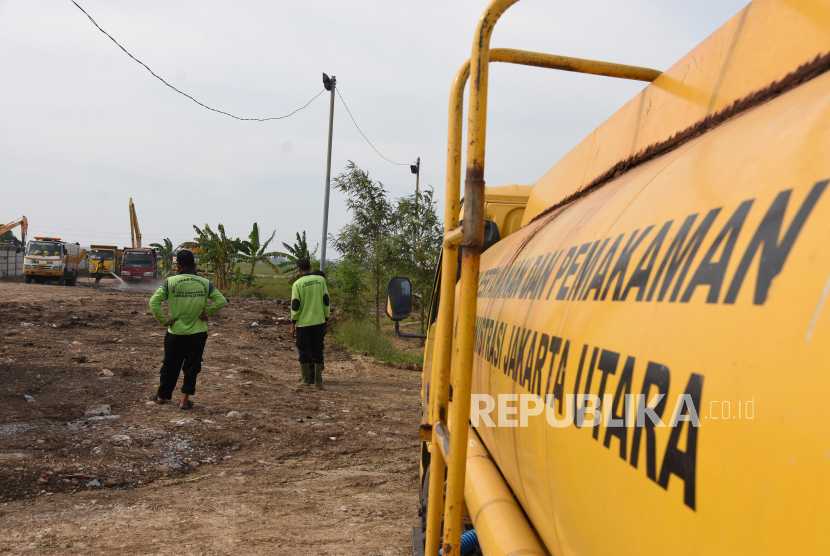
(117,235)
(364,136)
(120,234)
(185,94)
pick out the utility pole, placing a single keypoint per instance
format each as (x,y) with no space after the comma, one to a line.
(329,84)
(416,169)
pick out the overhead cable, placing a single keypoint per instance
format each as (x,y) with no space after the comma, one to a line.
(364,136)
(117,235)
(185,94)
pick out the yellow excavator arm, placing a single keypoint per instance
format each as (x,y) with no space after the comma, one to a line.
(22,222)
(135,232)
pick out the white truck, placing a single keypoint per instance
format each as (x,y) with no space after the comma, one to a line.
(50,258)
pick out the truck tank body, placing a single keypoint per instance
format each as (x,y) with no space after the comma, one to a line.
(700,273)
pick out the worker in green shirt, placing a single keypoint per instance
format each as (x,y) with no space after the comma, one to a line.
(186,295)
(310,312)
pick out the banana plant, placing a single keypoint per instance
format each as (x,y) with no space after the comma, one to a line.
(254,251)
(165,256)
(297,251)
(238,278)
(221,253)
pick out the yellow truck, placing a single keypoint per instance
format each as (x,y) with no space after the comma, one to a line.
(52,259)
(104,260)
(633,370)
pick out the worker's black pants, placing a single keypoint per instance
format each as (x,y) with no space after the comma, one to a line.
(310,343)
(181,352)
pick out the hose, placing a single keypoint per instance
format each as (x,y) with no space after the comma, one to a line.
(469,541)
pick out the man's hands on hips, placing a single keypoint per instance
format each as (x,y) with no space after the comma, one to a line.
(171,322)
(204,316)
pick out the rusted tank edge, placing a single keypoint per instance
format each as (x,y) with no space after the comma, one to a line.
(801,75)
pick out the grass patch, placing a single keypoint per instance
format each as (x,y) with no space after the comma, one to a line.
(264,288)
(261,269)
(362,336)
(413,318)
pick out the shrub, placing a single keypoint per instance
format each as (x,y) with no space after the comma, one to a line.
(347,286)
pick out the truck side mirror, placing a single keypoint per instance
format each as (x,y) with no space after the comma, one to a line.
(398,298)
(491,237)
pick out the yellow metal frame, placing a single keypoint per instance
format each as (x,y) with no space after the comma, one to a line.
(451,449)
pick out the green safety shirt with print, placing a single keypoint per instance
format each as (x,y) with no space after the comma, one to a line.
(186,296)
(310,301)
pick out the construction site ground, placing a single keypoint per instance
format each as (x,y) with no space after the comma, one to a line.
(258,466)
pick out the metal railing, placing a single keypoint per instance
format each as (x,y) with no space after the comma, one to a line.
(448,444)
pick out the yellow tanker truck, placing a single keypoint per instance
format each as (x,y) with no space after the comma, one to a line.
(639,358)
(50,258)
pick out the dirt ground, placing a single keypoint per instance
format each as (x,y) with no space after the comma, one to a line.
(257,467)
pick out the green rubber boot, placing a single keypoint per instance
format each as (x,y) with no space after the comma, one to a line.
(308,375)
(318,376)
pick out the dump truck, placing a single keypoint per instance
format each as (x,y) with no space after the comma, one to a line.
(625,373)
(139,265)
(52,259)
(104,261)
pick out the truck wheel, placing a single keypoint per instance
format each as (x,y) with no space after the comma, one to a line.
(27,278)
(61,281)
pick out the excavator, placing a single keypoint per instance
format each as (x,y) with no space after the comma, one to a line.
(22,222)
(138,264)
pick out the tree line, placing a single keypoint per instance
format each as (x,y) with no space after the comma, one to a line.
(225,260)
(385,237)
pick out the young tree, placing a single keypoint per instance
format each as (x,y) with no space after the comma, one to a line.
(253,252)
(418,239)
(347,285)
(367,237)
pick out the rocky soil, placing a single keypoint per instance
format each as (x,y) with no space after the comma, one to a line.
(88,465)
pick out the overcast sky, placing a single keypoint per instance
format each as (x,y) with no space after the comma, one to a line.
(84,128)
